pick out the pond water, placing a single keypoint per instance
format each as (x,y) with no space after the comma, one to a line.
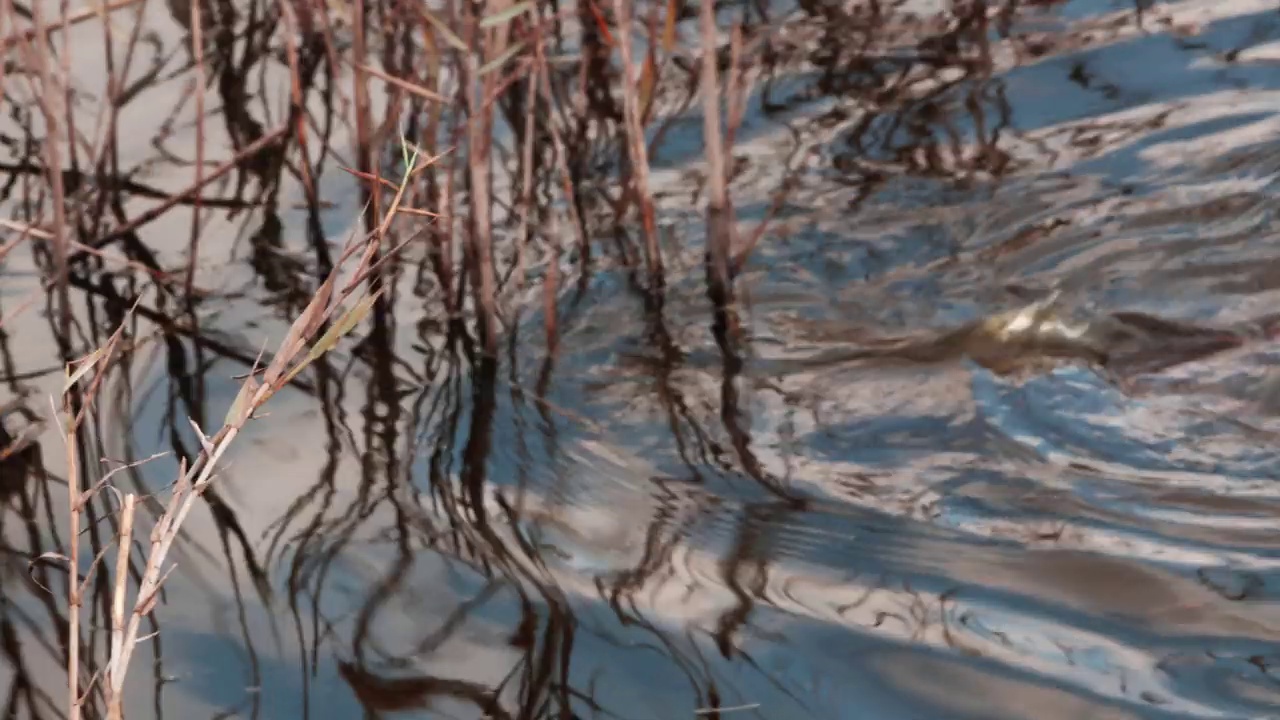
(640,523)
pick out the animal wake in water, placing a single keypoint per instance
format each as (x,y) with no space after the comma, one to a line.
(1039,336)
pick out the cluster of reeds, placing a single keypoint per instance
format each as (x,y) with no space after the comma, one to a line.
(500,150)
(449,73)
(304,343)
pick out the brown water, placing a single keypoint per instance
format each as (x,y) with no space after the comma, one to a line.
(641,525)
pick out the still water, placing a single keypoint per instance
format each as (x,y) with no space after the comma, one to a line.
(869,510)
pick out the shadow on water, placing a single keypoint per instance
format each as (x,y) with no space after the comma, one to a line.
(950,399)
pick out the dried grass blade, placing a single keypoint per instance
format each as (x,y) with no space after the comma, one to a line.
(243,405)
(87,363)
(499,61)
(445,32)
(345,325)
(669,29)
(506,15)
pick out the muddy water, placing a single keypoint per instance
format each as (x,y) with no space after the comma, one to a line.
(862,511)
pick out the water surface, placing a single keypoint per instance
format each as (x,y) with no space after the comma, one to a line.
(641,522)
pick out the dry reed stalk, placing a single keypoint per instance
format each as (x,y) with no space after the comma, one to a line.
(738,91)
(75,404)
(557,144)
(479,121)
(197,54)
(48,94)
(46,236)
(444,245)
(291,359)
(636,150)
(107,120)
(719,212)
(710,88)
(526,176)
(16,38)
(64,65)
(27,301)
(411,88)
(364,121)
(298,349)
(8,247)
(116,670)
(73,581)
(105,109)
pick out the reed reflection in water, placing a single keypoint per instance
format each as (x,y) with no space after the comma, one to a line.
(690,391)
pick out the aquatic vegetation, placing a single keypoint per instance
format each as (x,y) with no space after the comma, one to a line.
(514,359)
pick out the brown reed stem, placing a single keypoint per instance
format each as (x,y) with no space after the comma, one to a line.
(558,145)
(49,97)
(74,18)
(116,671)
(719,212)
(526,176)
(636,150)
(73,580)
(197,53)
(710,88)
(479,118)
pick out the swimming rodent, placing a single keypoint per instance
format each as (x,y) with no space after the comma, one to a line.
(1038,335)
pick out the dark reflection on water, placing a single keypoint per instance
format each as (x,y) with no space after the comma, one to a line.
(828,504)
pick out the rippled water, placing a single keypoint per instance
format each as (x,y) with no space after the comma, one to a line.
(643,525)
